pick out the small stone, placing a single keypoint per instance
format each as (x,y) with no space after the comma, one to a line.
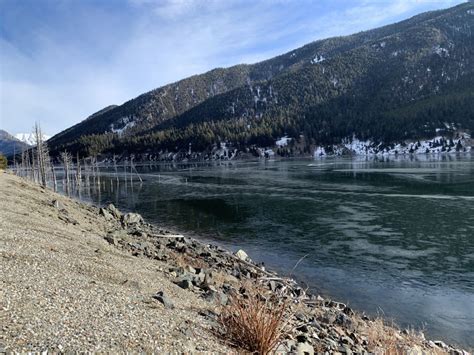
(111,239)
(65,218)
(131,283)
(347,340)
(59,205)
(160,296)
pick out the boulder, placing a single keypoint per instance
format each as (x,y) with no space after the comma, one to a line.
(242,255)
(132,219)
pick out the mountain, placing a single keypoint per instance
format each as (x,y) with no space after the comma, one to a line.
(29,138)
(9,144)
(406,81)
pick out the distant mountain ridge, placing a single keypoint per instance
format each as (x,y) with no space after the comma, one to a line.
(403,81)
(10,145)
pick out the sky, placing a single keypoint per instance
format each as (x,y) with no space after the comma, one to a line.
(62,60)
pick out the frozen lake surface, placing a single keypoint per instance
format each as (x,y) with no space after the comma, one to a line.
(393,236)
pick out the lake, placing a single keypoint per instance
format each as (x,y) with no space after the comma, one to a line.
(389,236)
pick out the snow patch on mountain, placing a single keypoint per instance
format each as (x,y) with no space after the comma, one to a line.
(318,59)
(29,138)
(124,124)
(439,144)
(283,141)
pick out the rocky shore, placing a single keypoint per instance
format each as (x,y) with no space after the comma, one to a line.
(76,277)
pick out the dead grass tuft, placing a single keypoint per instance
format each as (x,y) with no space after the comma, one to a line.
(387,339)
(255,321)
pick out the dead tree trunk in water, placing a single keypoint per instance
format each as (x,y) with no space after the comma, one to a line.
(53,174)
(133,167)
(78,171)
(66,158)
(115,167)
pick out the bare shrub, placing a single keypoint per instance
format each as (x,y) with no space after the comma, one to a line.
(254,321)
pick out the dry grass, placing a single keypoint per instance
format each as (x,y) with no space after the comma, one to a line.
(254,321)
(386,339)
(184,260)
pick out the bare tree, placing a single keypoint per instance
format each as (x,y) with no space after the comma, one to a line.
(53,174)
(67,160)
(78,171)
(42,155)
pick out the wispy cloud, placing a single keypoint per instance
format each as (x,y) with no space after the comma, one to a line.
(60,61)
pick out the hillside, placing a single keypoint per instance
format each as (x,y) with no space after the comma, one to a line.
(409,80)
(10,145)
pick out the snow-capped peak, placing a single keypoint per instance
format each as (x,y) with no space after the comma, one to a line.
(29,138)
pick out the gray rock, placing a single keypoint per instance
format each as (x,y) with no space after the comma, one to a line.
(328,318)
(160,296)
(304,349)
(441,344)
(286,347)
(111,239)
(345,350)
(272,285)
(132,219)
(114,211)
(185,283)
(107,215)
(242,255)
(347,340)
(345,321)
(191,269)
(65,218)
(201,278)
(216,297)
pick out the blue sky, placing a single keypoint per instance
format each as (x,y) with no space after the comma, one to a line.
(62,60)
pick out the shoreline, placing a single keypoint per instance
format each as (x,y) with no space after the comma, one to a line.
(210,274)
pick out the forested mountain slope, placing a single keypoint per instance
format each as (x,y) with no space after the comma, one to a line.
(404,81)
